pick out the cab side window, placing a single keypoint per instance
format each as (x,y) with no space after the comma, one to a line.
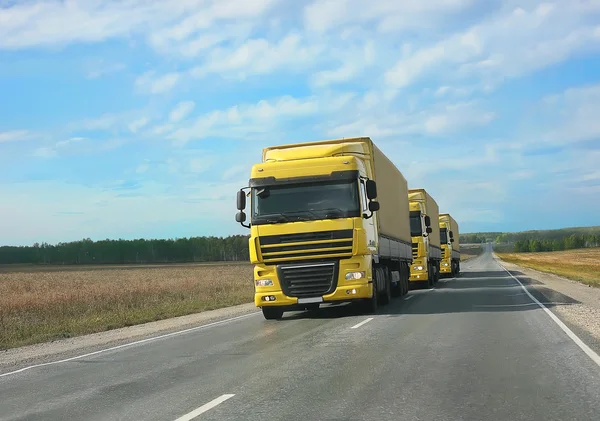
(363,195)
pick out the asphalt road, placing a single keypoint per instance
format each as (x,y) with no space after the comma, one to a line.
(474,348)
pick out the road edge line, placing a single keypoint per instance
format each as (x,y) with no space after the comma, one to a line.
(141,341)
(589,351)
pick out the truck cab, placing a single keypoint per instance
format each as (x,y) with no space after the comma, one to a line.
(315,227)
(449,238)
(426,251)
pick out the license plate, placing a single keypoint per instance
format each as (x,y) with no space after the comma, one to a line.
(310,300)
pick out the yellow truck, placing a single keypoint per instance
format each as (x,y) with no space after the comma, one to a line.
(426,251)
(329,223)
(449,236)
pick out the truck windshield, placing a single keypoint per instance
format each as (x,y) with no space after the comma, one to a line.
(416,229)
(304,202)
(443,236)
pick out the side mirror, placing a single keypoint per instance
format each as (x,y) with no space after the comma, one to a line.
(452,240)
(429,230)
(241,200)
(373,206)
(371,189)
(240,217)
(427,221)
(451,234)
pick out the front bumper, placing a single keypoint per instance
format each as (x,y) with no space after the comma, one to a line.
(445,267)
(418,275)
(345,290)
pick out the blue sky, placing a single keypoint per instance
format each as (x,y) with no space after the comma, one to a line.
(126,119)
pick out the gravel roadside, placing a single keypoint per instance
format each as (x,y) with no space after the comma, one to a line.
(577,304)
(16,358)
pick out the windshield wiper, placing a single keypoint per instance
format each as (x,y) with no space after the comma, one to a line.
(278,218)
(331,212)
(301,211)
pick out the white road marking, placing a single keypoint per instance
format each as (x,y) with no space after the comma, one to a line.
(206,407)
(409,297)
(590,352)
(362,323)
(167,335)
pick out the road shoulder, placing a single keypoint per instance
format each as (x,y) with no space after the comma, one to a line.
(576,304)
(16,358)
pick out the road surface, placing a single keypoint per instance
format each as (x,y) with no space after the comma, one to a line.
(475,348)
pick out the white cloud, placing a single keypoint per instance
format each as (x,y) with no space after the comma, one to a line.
(34,211)
(181,111)
(326,15)
(14,136)
(573,116)
(104,122)
(52,151)
(138,124)
(510,44)
(235,171)
(99,68)
(142,168)
(200,165)
(45,152)
(353,63)
(258,56)
(149,83)
(37,23)
(240,119)
(379,118)
(457,116)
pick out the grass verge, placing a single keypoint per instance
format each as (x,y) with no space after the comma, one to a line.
(41,306)
(581,265)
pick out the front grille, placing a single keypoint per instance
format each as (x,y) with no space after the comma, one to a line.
(444,249)
(308,280)
(308,245)
(415,250)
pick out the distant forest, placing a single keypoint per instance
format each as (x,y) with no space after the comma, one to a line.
(181,250)
(235,248)
(543,240)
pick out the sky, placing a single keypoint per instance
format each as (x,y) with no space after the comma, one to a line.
(141,118)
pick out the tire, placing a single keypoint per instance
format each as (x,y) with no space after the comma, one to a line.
(386,295)
(430,276)
(397,291)
(437,272)
(272,313)
(405,280)
(370,304)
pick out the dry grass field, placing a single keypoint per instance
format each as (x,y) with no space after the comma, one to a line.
(581,264)
(39,304)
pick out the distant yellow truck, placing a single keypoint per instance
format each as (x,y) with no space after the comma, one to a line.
(425,233)
(318,234)
(449,238)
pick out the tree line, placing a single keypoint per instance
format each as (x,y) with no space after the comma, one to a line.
(551,240)
(574,241)
(86,251)
(478,237)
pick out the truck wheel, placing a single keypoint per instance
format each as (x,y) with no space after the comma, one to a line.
(371,304)
(386,296)
(430,276)
(272,313)
(437,272)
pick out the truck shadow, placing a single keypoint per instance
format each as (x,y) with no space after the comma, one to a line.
(493,291)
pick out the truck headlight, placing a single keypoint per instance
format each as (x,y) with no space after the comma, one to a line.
(354,275)
(264,283)
(445,264)
(418,268)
